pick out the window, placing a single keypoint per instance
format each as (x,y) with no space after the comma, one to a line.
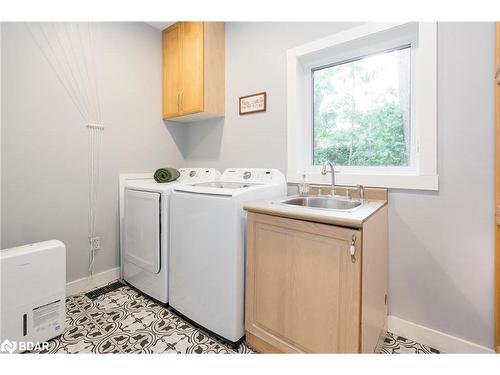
(361,111)
(365,99)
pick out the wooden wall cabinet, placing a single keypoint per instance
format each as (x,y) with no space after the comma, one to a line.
(193,71)
(305,295)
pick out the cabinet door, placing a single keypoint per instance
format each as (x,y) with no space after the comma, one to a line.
(192,68)
(303,290)
(172,75)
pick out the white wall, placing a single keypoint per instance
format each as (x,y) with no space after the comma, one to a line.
(44,142)
(441,244)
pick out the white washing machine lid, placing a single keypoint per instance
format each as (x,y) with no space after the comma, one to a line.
(188,176)
(236,181)
(224,188)
(151,185)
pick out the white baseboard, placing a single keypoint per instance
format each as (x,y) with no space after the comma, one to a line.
(86,284)
(439,340)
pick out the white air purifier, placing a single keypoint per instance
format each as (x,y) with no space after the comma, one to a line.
(33,293)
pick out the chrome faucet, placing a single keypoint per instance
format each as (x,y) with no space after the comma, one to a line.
(328,163)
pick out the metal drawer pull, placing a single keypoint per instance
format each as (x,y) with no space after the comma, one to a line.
(352,248)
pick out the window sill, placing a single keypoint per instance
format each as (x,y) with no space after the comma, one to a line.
(415,182)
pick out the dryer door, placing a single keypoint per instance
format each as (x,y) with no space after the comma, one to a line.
(142,229)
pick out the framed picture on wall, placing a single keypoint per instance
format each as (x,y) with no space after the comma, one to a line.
(253,103)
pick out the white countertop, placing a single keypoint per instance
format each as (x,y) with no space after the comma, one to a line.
(350,218)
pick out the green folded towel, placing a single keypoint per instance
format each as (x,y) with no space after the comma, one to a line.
(166,175)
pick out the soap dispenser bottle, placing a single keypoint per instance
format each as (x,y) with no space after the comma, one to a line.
(304,186)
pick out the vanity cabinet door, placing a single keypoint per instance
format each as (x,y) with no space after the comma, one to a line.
(303,290)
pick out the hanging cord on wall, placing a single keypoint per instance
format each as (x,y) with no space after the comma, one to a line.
(94,144)
(46,43)
(68,48)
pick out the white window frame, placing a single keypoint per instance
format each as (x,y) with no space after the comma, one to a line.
(422,172)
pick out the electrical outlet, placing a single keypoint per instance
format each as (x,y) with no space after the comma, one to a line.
(95,243)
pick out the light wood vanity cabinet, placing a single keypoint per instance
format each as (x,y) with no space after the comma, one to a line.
(193,71)
(304,294)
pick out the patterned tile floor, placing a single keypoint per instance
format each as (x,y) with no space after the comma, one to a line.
(125,321)
(394,344)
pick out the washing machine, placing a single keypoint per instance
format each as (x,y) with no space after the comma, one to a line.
(145,230)
(207,253)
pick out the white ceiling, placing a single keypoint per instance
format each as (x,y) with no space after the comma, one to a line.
(160,25)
